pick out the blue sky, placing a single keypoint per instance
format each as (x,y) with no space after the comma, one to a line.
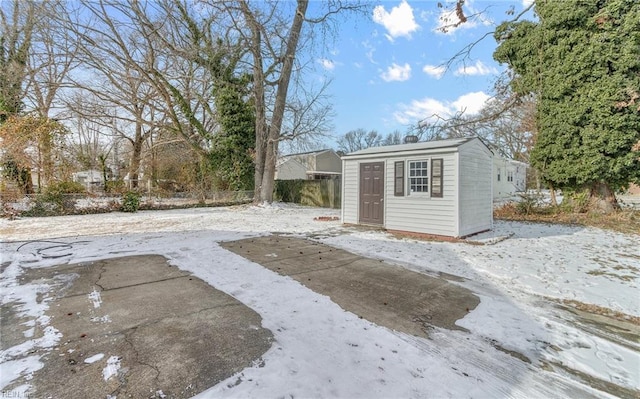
(387,69)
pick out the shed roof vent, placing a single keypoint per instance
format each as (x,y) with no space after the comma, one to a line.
(410,139)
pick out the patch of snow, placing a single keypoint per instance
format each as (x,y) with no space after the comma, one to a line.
(11,370)
(101,319)
(94,358)
(95,298)
(112,367)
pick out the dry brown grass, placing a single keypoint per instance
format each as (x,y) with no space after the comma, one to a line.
(599,310)
(624,221)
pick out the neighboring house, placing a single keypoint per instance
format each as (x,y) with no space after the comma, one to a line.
(90,178)
(322,164)
(509,177)
(439,187)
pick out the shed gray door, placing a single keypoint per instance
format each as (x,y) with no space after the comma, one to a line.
(371,192)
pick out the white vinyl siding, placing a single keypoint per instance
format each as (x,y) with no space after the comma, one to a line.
(350,191)
(476,205)
(421,213)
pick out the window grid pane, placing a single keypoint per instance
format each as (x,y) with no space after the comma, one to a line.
(418,176)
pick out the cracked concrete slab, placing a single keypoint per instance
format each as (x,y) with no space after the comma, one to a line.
(385,294)
(138,327)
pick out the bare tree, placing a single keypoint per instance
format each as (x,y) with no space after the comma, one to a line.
(114,56)
(51,58)
(89,140)
(359,139)
(274,39)
(506,122)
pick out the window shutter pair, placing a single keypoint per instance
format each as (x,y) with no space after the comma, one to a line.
(436,178)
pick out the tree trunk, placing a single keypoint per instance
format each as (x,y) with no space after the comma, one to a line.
(258,97)
(136,156)
(552,192)
(602,198)
(266,192)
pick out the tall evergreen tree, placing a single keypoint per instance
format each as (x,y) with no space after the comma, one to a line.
(582,62)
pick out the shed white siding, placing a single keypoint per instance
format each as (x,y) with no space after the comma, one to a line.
(350,192)
(465,206)
(476,205)
(419,212)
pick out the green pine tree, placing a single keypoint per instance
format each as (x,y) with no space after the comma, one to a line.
(582,62)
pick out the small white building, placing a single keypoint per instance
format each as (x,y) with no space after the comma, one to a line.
(439,187)
(509,177)
(313,165)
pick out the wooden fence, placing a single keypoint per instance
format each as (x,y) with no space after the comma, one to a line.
(321,193)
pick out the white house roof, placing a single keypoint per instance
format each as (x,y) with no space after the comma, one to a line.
(425,145)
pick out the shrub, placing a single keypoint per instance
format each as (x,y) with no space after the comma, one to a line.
(130,202)
(115,187)
(528,204)
(576,201)
(289,190)
(56,199)
(64,187)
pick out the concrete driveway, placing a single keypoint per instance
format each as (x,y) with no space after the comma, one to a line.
(136,327)
(385,294)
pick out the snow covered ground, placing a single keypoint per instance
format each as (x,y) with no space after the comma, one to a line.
(522,276)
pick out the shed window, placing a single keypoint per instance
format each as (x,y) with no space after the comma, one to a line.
(498,174)
(419,176)
(398,179)
(509,175)
(436,178)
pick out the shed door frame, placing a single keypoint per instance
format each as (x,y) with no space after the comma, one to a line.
(371,193)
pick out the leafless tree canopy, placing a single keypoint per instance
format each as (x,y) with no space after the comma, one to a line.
(129,76)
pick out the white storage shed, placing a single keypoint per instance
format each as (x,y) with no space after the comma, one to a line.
(441,187)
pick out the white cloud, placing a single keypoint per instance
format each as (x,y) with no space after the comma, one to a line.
(476,70)
(470,103)
(327,64)
(429,109)
(420,109)
(435,71)
(397,73)
(398,22)
(370,50)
